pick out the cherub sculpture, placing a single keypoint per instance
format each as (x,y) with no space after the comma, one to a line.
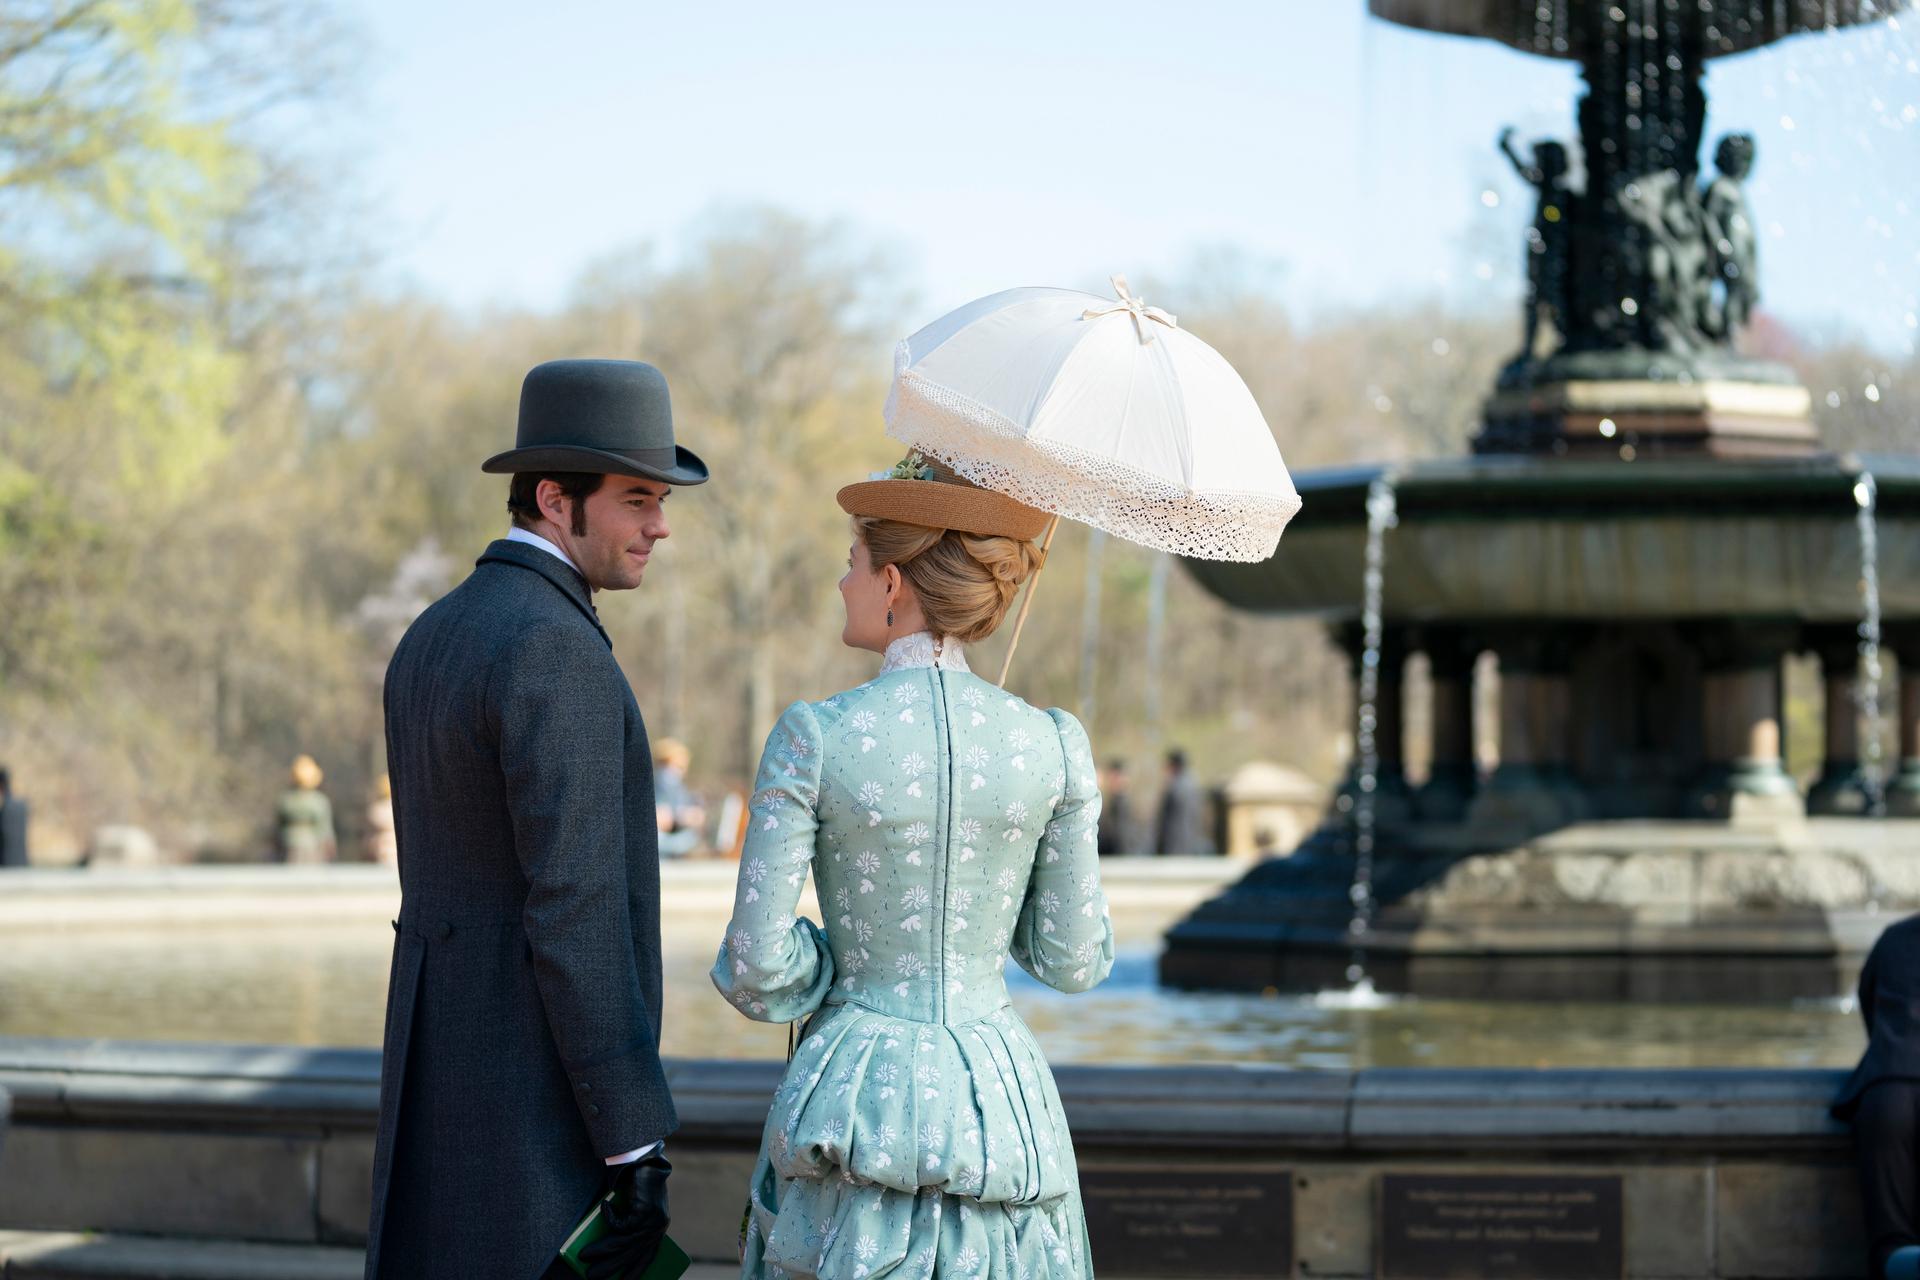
(1546,173)
(1734,247)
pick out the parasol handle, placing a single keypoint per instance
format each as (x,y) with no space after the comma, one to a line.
(1026,602)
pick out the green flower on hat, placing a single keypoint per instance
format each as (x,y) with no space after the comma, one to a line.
(911,467)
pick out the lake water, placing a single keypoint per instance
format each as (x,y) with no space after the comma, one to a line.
(324,983)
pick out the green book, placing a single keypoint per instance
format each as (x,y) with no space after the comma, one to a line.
(669,1264)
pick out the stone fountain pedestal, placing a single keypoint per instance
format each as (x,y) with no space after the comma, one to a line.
(1644,418)
(1673,911)
(1640,836)
(1600,910)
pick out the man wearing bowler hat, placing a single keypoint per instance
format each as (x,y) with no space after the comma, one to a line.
(521,1077)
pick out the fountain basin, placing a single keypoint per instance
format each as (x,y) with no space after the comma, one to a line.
(1554,28)
(1521,537)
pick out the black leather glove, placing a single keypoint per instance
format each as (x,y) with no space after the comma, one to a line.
(636,1220)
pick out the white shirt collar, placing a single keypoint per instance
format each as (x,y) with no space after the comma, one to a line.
(917,650)
(532,539)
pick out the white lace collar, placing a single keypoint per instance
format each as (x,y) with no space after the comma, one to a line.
(917,650)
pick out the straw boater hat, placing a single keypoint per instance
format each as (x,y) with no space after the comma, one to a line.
(921,491)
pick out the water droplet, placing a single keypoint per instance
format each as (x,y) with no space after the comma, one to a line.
(1441,346)
(1873,393)
(1490,198)
(1626,453)
(1355,973)
(1607,427)
(1862,495)
(1786,122)
(1629,306)
(1833,399)
(1359,894)
(1383,403)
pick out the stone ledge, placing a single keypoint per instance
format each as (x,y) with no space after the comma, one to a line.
(1725,1110)
(237,1088)
(1726,1173)
(113,1081)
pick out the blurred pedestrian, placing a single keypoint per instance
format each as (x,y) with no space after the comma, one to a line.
(1177,833)
(383,846)
(682,817)
(1882,1101)
(303,818)
(1116,811)
(13,825)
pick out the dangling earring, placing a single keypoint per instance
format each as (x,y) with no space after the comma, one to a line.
(889,617)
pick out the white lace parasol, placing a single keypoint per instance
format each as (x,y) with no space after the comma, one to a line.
(1099,410)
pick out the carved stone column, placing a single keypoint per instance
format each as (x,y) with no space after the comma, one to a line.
(1392,797)
(1903,788)
(1523,794)
(1843,786)
(1745,777)
(1553,721)
(1452,779)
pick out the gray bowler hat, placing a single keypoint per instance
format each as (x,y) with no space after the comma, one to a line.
(609,416)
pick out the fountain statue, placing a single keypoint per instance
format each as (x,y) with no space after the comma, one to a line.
(1647,527)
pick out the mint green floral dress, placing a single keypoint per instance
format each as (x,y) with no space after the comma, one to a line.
(948,826)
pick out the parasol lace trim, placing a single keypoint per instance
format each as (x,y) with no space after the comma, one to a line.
(992,451)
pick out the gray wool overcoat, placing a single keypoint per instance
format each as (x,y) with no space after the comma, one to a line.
(523,1014)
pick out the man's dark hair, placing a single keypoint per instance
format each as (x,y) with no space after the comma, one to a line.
(1178,759)
(523,500)
(1116,764)
(6,783)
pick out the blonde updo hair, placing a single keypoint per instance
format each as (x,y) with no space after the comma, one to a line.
(964,581)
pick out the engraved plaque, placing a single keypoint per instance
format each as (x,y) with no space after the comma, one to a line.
(1540,1226)
(1189,1222)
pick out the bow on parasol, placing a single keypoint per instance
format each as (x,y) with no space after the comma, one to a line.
(1101,411)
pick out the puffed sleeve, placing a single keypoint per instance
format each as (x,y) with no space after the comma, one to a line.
(1064,936)
(775,966)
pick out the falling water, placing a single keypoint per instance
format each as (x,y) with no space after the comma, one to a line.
(1867,682)
(1381,517)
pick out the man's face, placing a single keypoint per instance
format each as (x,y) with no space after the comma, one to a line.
(625,517)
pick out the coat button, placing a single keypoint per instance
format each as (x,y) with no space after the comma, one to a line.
(585,1087)
(443,931)
(593,1108)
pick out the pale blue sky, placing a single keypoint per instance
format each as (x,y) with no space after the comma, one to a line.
(995,144)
